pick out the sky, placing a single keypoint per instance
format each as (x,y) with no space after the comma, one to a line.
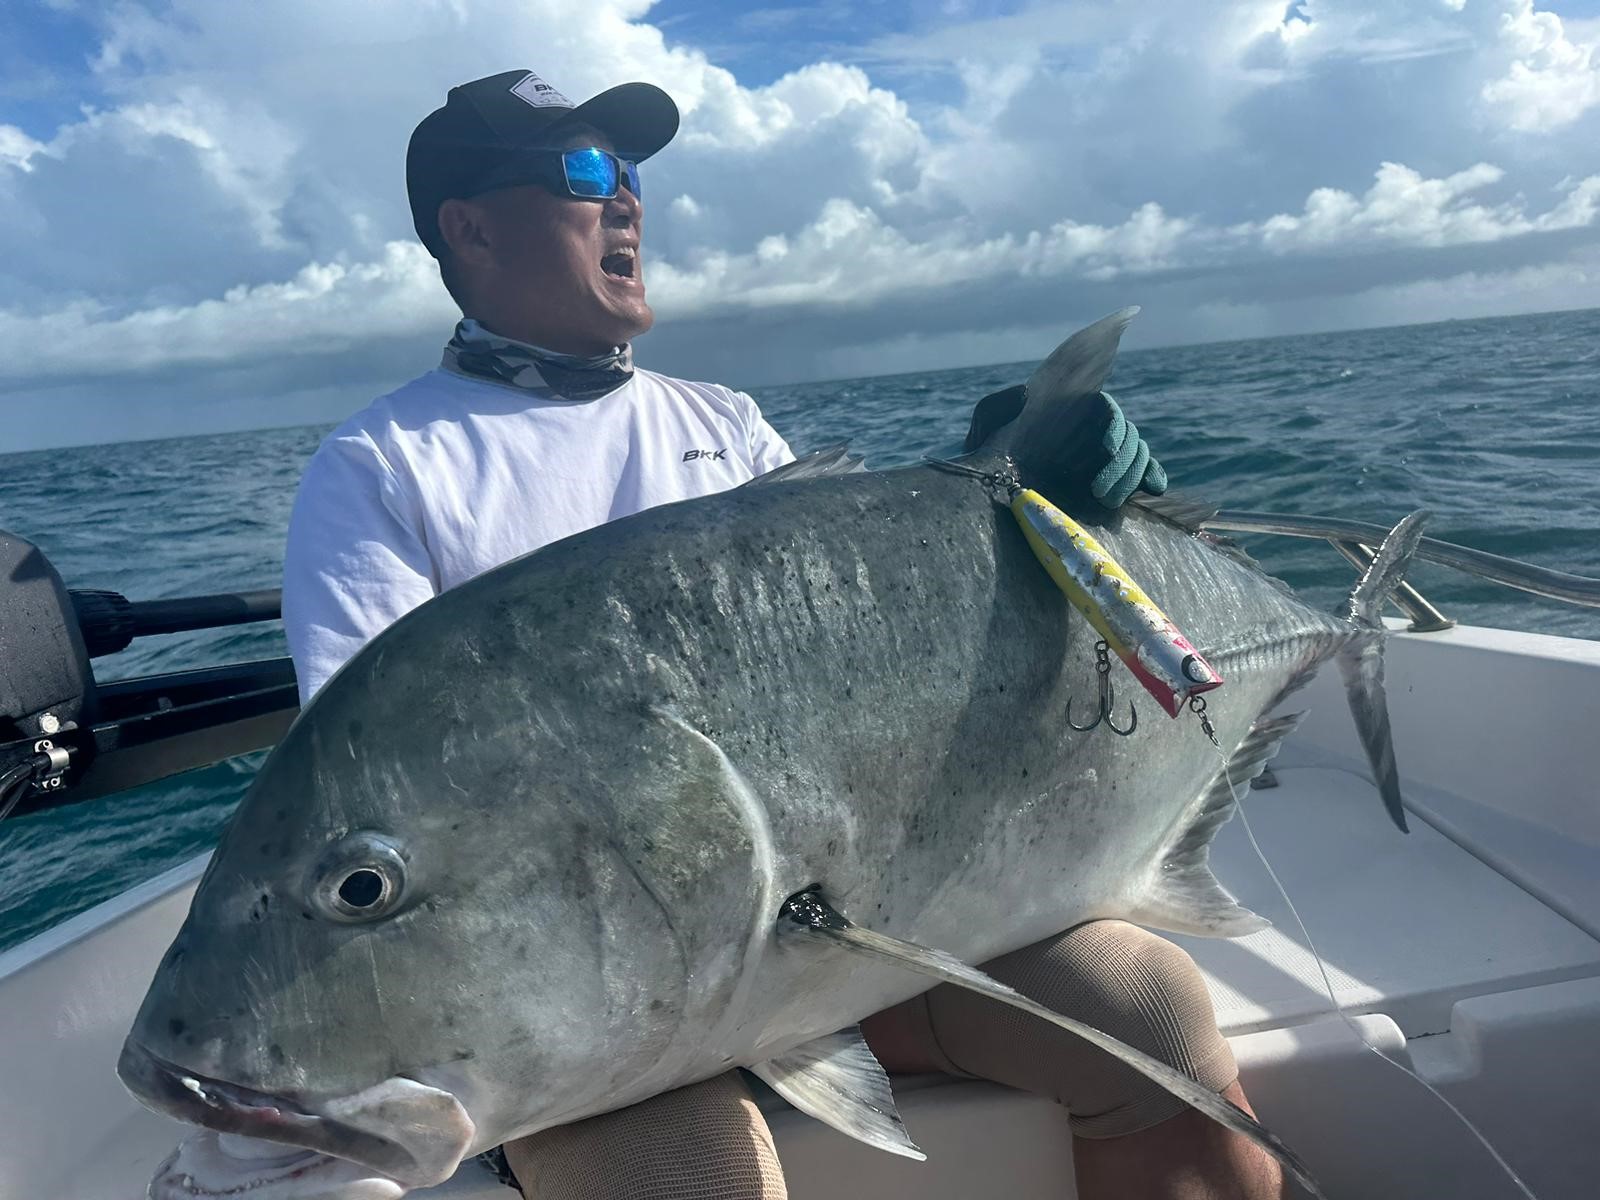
(203,221)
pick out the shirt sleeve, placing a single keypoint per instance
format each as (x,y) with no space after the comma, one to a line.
(354,562)
(767,449)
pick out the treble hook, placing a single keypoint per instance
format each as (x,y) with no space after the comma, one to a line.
(1107,696)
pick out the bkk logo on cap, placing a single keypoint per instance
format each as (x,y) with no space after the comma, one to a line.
(535,91)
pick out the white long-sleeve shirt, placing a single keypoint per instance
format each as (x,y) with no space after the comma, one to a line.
(449,476)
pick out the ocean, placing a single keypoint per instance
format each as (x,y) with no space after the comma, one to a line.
(1492,424)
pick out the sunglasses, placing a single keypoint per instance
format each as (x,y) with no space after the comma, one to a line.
(589,173)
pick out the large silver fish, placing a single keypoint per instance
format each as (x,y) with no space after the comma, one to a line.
(530,855)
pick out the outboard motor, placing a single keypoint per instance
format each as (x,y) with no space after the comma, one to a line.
(46,684)
(63,738)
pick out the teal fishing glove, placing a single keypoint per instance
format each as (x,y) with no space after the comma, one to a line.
(1129,463)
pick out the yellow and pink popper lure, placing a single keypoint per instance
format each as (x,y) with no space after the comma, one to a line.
(1142,636)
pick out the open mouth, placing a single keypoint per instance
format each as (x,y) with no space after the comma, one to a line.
(229,1108)
(222,1166)
(621,264)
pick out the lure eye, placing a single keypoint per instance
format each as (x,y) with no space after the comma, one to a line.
(361,877)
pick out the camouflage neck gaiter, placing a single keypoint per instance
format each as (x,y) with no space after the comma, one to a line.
(478,354)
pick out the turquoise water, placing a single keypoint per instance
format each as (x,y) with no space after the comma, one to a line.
(1492,424)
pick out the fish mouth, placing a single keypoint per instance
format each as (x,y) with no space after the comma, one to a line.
(221,1166)
(440,1127)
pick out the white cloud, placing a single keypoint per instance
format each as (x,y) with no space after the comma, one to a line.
(848,257)
(236,193)
(1571,282)
(326,308)
(1403,208)
(1551,81)
(16,148)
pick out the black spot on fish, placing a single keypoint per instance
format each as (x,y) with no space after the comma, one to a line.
(276,1054)
(176,1027)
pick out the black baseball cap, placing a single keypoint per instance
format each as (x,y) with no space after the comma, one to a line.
(485,125)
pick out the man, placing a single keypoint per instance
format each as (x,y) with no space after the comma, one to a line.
(536,426)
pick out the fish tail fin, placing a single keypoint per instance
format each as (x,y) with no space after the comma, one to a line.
(809,914)
(1361,659)
(1184,896)
(1042,424)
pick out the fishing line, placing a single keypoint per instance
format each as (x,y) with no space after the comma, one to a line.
(1333,999)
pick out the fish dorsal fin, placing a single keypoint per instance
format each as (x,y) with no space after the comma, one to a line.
(1079,366)
(819,464)
(992,414)
(1061,412)
(1185,896)
(1182,509)
(808,914)
(837,1080)
(1190,512)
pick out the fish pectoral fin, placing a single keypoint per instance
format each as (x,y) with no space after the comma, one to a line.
(1185,897)
(809,915)
(837,1080)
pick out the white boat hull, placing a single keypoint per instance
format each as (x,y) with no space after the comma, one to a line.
(1471,950)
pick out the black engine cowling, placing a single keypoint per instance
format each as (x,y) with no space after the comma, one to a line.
(46,683)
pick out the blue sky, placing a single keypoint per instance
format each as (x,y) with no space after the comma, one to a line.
(203,223)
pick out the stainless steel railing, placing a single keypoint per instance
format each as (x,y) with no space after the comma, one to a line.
(1356,539)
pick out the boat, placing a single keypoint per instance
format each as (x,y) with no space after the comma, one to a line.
(1463,958)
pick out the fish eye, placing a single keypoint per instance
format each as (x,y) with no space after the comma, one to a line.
(361,877)
(362,888)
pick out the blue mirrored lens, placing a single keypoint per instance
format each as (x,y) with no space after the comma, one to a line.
(633,179)
(590,172)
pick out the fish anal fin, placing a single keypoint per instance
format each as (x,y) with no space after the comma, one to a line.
(1184,896)
(808,914)
(837,1080)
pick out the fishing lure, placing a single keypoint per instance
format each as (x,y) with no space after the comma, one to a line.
(1129,622)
